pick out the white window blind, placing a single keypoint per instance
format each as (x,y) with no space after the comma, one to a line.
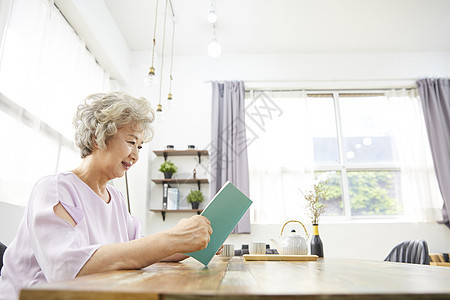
(45,72)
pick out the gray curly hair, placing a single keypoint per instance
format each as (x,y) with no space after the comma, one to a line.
(100,116)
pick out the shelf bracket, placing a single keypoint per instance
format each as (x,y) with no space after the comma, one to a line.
(165,156)
(163,214)
(198,184)
(199,157)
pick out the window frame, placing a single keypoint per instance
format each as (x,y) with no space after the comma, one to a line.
(344,166)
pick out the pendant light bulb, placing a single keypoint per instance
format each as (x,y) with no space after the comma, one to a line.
(159,113)
(159,109)
(214,48)
(170,102)
(212,17)
(151,79)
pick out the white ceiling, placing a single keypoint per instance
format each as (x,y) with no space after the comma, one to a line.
(290,26)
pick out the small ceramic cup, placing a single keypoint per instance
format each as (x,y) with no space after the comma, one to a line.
(257,248)
(228,251)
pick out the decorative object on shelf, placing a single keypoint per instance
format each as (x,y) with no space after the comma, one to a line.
(165,193)
(315,197)
(168,168)
(170,147)
(195,174)
(192,147)
(293,244)
(151,79)
(194,198)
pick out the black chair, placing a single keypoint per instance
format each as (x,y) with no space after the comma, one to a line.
(413,252)
(2,250)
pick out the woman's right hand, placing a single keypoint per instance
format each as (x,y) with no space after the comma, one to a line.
(191,234)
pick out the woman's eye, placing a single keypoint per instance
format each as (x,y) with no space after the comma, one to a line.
(132,143)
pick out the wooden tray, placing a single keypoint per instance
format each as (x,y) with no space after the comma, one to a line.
(441,264)
(253,257)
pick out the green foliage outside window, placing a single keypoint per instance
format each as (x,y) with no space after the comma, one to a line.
(371,193)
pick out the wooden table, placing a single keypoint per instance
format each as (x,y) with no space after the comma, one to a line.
(240,279)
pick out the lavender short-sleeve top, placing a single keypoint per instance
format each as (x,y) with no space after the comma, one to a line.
(47,248)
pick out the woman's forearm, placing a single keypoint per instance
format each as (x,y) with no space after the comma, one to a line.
(188,235)
(130,255)
(174,258)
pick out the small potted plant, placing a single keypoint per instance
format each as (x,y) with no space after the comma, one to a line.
(194,198)
(315,198)
(315,207)
(168,168)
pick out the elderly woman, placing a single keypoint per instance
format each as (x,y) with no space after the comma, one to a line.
(76,224)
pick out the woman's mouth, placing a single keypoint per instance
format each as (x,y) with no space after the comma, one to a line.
(126,165)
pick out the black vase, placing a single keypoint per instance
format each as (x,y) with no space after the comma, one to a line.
(168,175)
(316,242)
(195,205)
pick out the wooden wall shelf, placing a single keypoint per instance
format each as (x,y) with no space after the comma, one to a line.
(180,152)
(171,152)
(164,211)
(181,180)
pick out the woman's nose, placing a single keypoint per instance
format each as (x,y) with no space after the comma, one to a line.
(134,155)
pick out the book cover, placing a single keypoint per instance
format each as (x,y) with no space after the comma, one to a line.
(172,198)
(224,212)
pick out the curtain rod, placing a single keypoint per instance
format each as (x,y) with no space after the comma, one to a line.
(340,90)
(323,85)
(316,80)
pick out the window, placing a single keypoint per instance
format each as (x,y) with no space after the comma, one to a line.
(45,71)
(371,146)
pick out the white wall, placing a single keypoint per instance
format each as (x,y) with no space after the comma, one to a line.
(189,123)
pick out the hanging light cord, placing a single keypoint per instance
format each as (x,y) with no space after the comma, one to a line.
(154,33)
(214,31)
(162,52)
(171,60)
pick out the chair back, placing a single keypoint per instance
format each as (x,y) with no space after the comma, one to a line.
(413,252)
(2,250)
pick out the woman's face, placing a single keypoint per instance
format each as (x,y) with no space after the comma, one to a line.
(122,151)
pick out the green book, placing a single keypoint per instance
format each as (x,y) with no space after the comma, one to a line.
(224,211)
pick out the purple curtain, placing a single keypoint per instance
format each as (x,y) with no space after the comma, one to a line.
(435,98)
(228,153)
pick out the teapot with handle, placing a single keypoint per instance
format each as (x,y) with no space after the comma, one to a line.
(293,243)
